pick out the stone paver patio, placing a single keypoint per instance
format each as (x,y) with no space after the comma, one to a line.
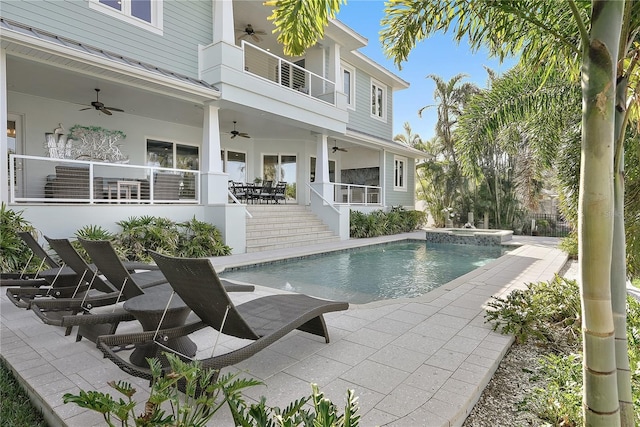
(412,362)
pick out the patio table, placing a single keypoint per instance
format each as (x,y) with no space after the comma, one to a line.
(148,309)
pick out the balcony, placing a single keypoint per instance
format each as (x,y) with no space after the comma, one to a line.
(263,64)
(37,180)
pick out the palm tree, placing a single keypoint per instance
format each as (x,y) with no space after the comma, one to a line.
(509,136)
(575,38)
(408,138)
(451,97)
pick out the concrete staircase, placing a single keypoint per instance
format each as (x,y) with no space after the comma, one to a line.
(284,226)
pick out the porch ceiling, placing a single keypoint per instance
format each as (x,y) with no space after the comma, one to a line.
(76,86)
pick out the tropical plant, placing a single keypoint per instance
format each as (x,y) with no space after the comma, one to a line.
(194,395)
(322,413)
(200,239)
(202,398)
(381,223)
(537,310)
(15,254)
(409,138)
(548,312)
(146,232)
(95,232)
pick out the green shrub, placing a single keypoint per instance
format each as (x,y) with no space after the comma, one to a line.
(570,244)
(538,311)
(560,401)
(95,232)
(191,238)
(143,233)
(15,253)
(550,312)
(380,223)
(200,239)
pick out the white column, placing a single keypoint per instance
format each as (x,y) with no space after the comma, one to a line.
(223,30)
(322,184)
(322,159)
(4,153)
(214,181)
(334,67)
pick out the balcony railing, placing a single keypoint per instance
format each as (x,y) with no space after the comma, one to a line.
(35,179)
(353,194)
(268,66)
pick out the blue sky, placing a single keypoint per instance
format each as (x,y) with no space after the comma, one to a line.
(438,55)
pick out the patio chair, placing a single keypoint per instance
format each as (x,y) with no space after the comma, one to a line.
(54,275)
(261,321)
(238,190)
(279,193)
(266,192)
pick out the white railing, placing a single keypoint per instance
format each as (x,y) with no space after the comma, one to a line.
(34,179)
(353,194)
(268,66)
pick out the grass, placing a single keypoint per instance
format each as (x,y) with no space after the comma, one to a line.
(16,409)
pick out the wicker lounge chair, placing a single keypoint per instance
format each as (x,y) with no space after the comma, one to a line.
(99,302)
(83,274)
(53,275)
(262,321)
(64,312)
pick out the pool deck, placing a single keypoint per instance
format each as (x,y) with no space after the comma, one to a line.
(412,362)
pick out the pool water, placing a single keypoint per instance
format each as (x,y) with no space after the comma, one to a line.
(379,272)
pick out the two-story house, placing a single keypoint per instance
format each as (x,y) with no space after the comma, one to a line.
(117,108)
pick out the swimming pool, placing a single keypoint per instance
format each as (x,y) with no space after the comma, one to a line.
(393,270)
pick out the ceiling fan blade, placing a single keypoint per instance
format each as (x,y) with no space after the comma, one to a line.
(104,110)
(244,135)
(88,108)
(256,38)
(114,109)
(233,135)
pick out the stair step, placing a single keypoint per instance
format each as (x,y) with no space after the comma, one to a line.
(286,238)
(291,244)
(284,226)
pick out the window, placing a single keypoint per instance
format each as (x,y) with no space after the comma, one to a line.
(312,169)
(172,155)
(378,100)
(399,173)
(142,13)
(234,164)
(349,84)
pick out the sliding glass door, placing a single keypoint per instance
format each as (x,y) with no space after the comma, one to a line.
(281,168)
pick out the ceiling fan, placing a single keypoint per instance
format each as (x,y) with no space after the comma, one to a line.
(248,31)
(336,148)
(100,106)
(235,133)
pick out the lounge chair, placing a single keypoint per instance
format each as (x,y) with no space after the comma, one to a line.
(64,312)
(54,275)
(100,303)
(262,321)
(83,273)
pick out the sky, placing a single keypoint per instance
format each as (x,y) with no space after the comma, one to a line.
(439,55)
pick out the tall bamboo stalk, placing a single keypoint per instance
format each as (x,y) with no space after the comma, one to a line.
(595,223)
